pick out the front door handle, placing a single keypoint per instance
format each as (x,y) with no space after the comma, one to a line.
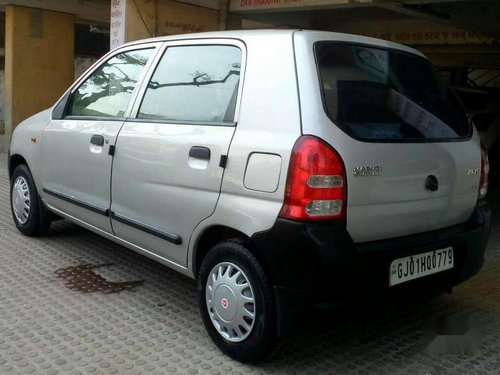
(97,140)
(200,152)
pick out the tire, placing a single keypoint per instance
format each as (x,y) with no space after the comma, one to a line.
(32,218)
(234,261)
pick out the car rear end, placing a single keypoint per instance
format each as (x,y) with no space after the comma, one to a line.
(386,186)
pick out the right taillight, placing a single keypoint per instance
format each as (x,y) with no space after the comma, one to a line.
(485,170)
(316,182)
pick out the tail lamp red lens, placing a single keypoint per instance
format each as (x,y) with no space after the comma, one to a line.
(485,170)
(316,182)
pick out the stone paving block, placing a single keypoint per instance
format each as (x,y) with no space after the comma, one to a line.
(154,327)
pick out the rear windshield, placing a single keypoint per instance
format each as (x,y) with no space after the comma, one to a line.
(387,95)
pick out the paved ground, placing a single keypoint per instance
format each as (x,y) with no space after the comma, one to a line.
(137,316)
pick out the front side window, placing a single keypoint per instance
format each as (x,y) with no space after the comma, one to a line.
(384,94)
(107,91)
(194,84)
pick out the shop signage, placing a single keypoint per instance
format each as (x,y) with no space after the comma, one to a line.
(117,23)
(248,5)
(427,36)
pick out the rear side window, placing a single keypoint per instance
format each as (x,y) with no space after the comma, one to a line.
(107,91)
(387,95)
(194,84)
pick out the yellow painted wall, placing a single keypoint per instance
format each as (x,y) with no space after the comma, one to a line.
(39,49)
(234,22)
(140,19)
(178,18)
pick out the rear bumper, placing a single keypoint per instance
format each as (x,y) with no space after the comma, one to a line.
(317,262)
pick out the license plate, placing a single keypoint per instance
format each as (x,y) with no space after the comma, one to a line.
(420,265)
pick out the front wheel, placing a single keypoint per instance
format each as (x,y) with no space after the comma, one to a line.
(29,214)
(236,302)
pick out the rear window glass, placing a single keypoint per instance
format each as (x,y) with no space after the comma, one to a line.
(385,94)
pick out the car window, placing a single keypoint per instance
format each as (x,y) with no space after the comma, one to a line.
(194,84)
(377,93)
(107,91)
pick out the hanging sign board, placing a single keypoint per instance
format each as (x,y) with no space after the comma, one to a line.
(117,26)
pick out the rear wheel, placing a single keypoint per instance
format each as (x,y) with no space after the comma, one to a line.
(30,215)
(236,302)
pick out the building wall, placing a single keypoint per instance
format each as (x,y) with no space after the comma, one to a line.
(139,19)
(38,46)
(2,102)
(81,64)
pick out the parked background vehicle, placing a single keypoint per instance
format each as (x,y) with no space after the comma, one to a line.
(278,168)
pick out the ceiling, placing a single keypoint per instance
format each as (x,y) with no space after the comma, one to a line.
(480,19)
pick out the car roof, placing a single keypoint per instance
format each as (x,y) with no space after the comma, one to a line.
(265,33)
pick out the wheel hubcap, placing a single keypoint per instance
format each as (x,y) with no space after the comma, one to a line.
(21,200)
(230,301)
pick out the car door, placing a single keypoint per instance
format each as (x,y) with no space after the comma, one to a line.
(76,161)
(169,160)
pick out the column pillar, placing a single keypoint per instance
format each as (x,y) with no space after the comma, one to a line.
(39,67)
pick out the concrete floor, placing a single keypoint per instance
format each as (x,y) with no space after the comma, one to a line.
(136,316)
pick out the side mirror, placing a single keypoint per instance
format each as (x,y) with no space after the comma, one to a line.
(60,109)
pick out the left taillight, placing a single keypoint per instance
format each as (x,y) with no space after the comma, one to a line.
(485,170)
(316,182)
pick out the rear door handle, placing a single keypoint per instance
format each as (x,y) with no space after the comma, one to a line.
(97,140)
(200,152)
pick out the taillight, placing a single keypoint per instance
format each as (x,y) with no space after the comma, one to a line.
(316,183)
(485,170)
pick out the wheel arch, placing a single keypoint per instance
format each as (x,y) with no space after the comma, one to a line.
(219,233)
(15,161)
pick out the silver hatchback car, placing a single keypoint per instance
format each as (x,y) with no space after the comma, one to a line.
(279,168)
